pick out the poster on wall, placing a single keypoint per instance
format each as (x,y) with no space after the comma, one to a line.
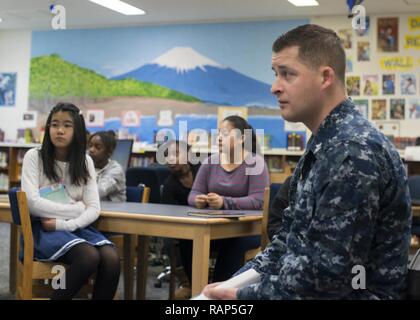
(165,118)
(414,23)
(378,109)
(388,84)
(349,64)
(370,87)
(7,89)
(396,63)
(362,105)
(408,84)
(397,109)
(387,34)
(95,118)
(363,51)
(346,37)
(353,85)
(130,118)
(29,119)
(414,109)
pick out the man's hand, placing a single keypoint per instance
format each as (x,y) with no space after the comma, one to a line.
(48,224)
(211,292)
(201,201)
(215,201)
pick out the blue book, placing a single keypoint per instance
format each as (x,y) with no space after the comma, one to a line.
(56,193)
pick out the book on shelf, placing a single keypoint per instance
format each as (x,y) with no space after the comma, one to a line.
(275,164)
(216,213)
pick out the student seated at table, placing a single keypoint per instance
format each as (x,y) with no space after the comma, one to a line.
(175,191)
(62,229)
(233,179)
(178,184)
(110,176)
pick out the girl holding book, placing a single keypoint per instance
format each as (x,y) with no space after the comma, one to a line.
(59,181)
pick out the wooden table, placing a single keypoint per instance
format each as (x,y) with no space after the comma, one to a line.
(146,220)
(158,220)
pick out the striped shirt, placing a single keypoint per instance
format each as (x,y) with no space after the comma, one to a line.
(238,189)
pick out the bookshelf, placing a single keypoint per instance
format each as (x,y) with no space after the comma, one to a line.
(11,157)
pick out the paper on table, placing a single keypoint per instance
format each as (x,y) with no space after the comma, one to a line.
(241,280)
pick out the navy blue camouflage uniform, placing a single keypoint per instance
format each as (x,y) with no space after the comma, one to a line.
(349,206)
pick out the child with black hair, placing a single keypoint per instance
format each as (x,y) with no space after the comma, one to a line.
(110,176)
(59,181)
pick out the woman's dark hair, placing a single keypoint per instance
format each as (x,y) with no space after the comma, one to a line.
(76,157)
(241,124)
(108,138)
(180,144)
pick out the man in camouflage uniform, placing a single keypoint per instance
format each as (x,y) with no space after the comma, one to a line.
(349,201)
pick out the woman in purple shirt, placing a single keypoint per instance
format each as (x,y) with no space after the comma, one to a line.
(234,178)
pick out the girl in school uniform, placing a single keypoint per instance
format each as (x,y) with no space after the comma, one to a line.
(233,179)
(110,176)
(59,181)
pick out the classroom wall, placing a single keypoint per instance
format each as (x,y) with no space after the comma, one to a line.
(407,127)
(15,56)
(120,77)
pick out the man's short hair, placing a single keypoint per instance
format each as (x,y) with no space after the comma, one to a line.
(318,46)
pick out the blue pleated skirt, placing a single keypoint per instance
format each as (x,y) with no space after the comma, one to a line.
(50,245)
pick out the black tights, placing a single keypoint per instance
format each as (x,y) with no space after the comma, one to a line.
(84,260)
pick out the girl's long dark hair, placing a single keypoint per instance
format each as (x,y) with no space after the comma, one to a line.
(76,157)
(241,124)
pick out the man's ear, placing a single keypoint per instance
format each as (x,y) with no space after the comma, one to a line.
(328,76)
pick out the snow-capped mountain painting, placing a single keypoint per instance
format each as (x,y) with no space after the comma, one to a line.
(185,70)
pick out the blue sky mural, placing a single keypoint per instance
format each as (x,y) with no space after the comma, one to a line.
(245,47)
(194,66)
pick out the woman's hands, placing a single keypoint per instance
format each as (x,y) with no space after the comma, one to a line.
(213,200)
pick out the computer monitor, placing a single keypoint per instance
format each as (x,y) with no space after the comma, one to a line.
(122,152)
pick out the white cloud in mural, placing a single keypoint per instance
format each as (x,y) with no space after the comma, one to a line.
(184,59)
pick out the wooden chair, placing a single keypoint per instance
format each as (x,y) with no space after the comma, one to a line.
(250,254)
(31,275)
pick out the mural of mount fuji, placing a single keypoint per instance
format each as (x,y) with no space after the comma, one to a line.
(185,70)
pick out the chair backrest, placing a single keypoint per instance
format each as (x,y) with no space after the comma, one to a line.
(151,177)
(414,187)
(141,193)
(14,206)
(266,209)
(21,216)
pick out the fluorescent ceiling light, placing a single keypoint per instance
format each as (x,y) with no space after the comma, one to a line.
(120,7)
(304,3)
(1,19)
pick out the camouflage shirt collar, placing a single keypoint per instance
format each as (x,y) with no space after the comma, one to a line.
(329,128)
